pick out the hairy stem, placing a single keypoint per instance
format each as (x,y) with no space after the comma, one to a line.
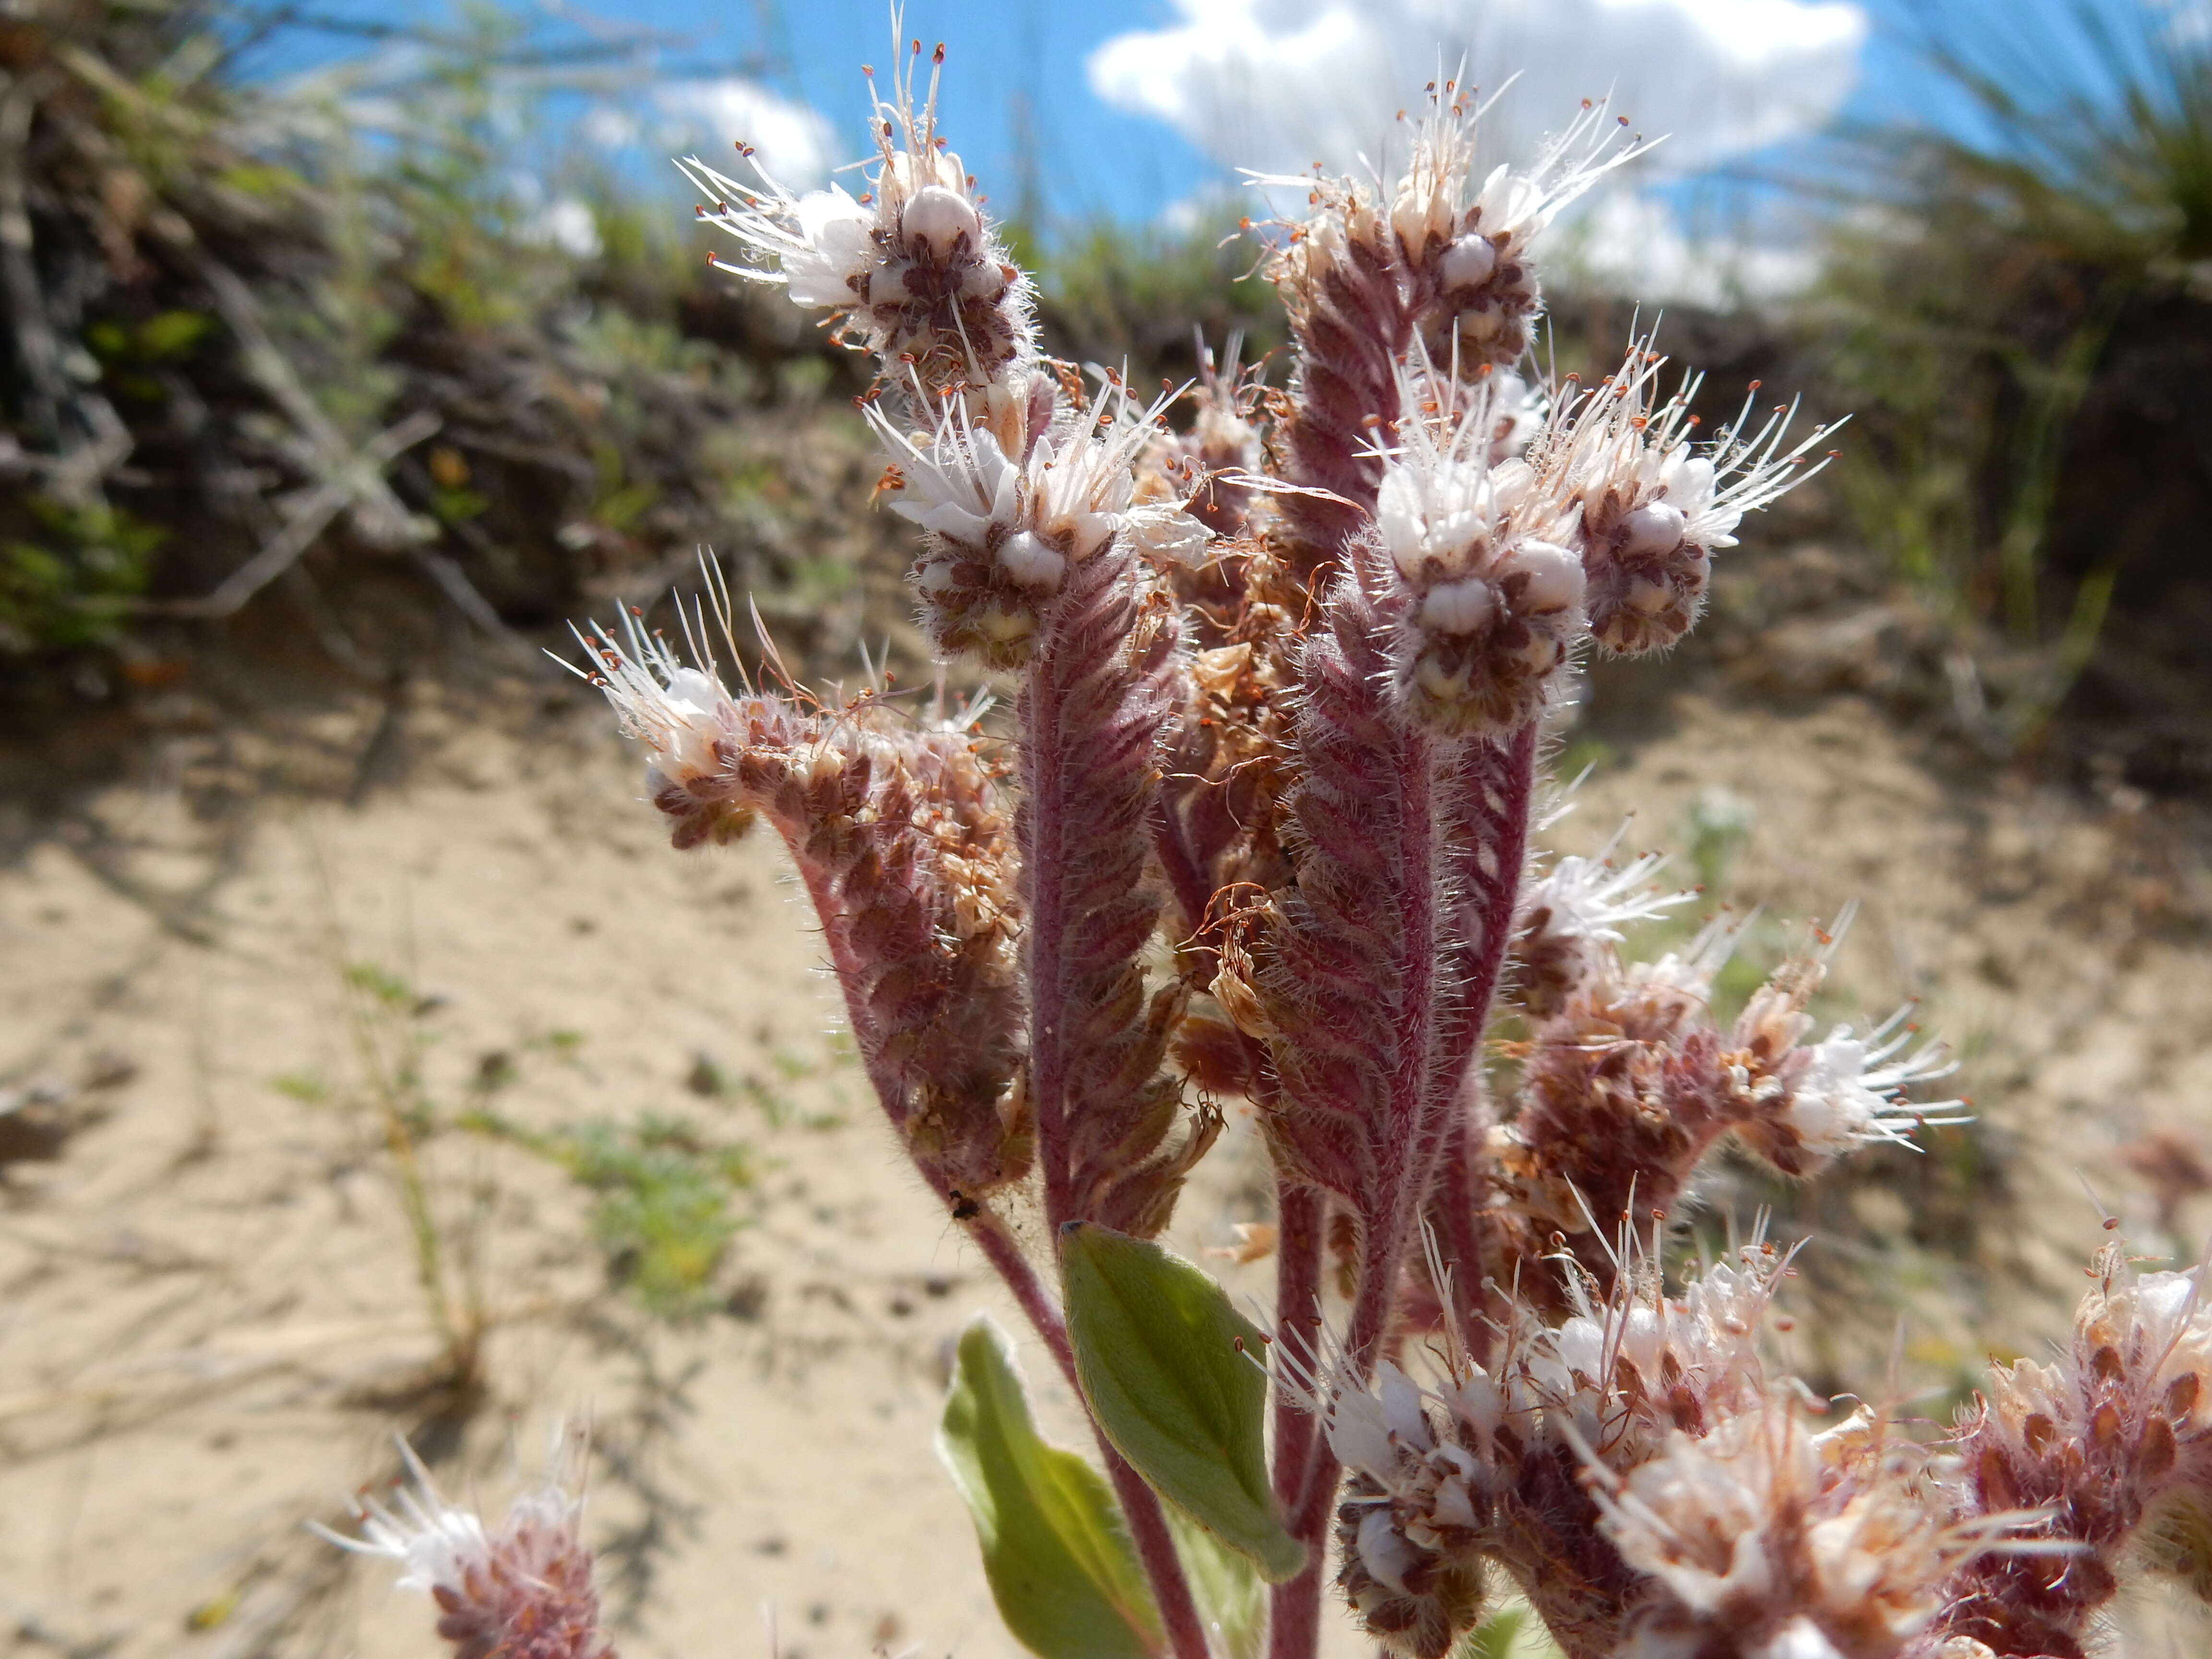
(1294,1608)
(1462,828)
(1093,703)
(1488,789)
(996,1241)
(1294,1612)
(1488,792)
(845,961)
(1044,855)
(1454,1199)
(1148,1528)
(1299,1212)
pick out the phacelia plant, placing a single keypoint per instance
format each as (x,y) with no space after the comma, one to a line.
(1259,827)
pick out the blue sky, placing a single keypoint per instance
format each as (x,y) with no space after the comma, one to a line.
(1020,103)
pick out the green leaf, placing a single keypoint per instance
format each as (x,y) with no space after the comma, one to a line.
(1062,1568)
(1162,1359)
(1232,1598)
(1511,1631)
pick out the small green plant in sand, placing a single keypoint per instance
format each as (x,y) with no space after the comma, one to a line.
(663,1196)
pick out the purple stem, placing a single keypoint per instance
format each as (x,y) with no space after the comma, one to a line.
(1299,1213)
(1187,879)
(1294,1609)
(1487,811)
(846,963)
(1148,1529)
(1401,1182)
(1488,791)
(1412,1145)
(1488,787)
(1044,855)
(1452,1202)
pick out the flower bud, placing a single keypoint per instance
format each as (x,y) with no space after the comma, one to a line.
(1461,607)
(1652,507)
(911,271)
(1030,562)
(935,220)
(1467,264)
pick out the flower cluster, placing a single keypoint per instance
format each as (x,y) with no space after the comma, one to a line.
(523,1592)
(1655,1490)
(900,838)
(1577,909)
(1653,507)
(2108,1448)
(1469,248)
(1629,1083)
(1437,262)
(1006,511)
(911,270)
(1764,1538)
(1494,1462)
(1493,602)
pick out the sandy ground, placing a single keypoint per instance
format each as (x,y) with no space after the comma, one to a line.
(210,1321)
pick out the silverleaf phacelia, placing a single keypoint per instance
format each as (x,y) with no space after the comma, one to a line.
(1259,824)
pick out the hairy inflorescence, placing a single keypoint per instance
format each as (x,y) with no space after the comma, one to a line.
(1281,672)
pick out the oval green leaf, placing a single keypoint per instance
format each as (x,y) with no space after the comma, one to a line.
(1162,1357)
(1062,1569)
(1232,1600)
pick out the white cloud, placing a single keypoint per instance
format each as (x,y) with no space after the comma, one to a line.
(1635,246)
(2189,22)
(570,225)
(1276,85)
(792,140)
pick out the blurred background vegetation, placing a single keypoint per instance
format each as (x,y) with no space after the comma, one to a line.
(293,396)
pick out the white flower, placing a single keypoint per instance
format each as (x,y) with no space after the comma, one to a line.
(911,268)
(829,249)
(1852,1088)
(1769,1542)
(677,711)
(1440,511)
(1061,503)
(959,482)
(1517,410)
(1437,209)
(1694,968)
(1587,898)
(434,1540)
(526,1588)
(1451,499)
(1628,456)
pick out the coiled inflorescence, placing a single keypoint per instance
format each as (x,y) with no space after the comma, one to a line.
(912,270)
(899,834)
(522,1592)
(1652,506)
(1007,508)
(1493,1461)
(1629,1082)
(2106,1449)
(1493,601)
